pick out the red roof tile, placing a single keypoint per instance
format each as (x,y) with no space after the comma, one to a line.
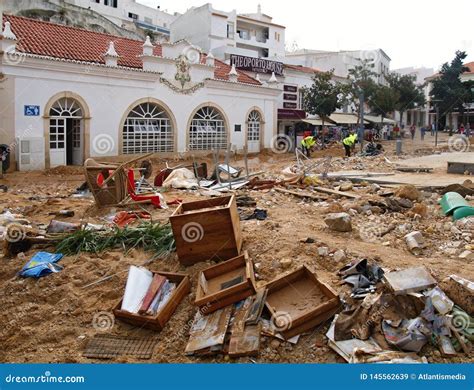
(470,65)
(72,43)
(58,41)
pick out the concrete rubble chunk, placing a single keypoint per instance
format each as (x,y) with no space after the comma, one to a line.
(339,222)
(340,255)
(409,192)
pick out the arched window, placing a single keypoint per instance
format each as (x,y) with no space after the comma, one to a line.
(66,107)
(148,128)
(253,121)
(208,130)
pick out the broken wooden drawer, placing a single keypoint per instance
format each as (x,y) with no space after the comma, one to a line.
(159,320)
(207,230)
(225,283)
(299,302)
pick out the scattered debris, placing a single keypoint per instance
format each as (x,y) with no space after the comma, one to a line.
(42,264)
(109,347)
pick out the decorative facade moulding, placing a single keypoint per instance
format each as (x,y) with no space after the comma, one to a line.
(184,91)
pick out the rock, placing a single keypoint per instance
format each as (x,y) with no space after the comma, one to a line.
(286,263)
(274,344)
(455,230)
(408,192)
(323,251)
(309,240)
(450,251)
(404,203)
(339,222)
(467,255)
(347,186)
(374,187)
(334,208)
(339,256)
(353,212)
(420,209)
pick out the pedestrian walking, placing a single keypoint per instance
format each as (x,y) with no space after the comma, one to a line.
(412,131)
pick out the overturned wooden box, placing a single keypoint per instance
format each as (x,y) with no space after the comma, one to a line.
(159,320)
(207,230)
(225,283)
(299,301)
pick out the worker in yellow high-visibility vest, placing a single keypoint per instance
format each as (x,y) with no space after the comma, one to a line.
(307,144)
(349,143)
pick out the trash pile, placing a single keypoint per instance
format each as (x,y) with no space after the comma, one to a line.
(404,311)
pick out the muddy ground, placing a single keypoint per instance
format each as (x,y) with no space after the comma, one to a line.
(51,319)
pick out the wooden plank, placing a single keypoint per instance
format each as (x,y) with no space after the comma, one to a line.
(156,284)
(255,310)
(300,194)
(334,192)
(208,332)
(244,339)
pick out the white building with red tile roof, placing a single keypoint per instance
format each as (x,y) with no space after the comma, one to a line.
(67,94)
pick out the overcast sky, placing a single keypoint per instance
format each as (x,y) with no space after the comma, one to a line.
(412,32)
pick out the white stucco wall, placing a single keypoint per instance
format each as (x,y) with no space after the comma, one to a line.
(109,92)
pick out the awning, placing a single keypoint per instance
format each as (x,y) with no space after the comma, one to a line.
(345,119)
(378,119)
(316,121)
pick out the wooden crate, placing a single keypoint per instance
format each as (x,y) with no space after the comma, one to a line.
(207,230)
(210,296)
(159,320)
(299,301)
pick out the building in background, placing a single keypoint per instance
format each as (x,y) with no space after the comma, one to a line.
(224,34)
(129,14)
(342,61)
(419,115)
(126,18)
(113,96)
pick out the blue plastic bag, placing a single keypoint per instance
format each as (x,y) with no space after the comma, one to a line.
(41,264)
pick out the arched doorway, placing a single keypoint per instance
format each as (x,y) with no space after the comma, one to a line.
(66,132)
(208,130)
(147,128)
(254,124)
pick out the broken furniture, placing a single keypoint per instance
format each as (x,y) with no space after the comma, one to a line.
(113,184)
(208,333)
(207,230)
(299,301)
(244,337)
(105,194)
(158,320)
(225,283)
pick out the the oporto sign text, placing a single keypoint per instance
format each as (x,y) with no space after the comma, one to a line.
(258,65)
